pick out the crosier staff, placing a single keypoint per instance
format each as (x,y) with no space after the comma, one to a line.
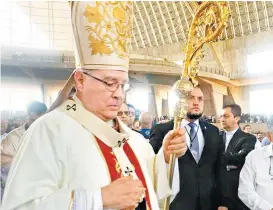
(208,23)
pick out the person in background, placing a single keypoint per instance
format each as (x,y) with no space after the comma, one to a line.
(12,141)
(136,125)
(266,140)
(124,114)
(4,126)
(132,116)
(256,178)
(146,121)
(259,140)
(11,127)
(247,129)
(236,144)
(198,186)
(163,119)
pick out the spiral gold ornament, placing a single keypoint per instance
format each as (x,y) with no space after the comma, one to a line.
(208,23)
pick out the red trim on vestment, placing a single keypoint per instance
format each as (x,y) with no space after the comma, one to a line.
(114,167)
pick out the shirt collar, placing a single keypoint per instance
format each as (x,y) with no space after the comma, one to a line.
(268,152)
(231,132)
(186,122)
(112,123)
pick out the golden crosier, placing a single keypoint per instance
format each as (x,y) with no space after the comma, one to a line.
(209,21)
(212,17)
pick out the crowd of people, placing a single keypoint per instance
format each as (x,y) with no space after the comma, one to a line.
(250,118)
(88,151)
(225,160)
(245,118)
(201,138)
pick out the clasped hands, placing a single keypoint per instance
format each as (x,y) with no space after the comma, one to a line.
(127,193)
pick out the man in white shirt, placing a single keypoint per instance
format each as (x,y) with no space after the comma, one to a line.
(259,140)
(256,179)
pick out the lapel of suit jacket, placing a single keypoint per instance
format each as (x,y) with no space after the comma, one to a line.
(223,138)
(205,132)
(235,138)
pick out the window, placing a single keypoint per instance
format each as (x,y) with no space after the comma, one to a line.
(258,104)
(139,99)
(37,24)
(17,98)
(260,62)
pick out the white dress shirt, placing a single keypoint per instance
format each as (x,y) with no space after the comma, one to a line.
(229,135)
(258,145)
(200,136)
(256,183)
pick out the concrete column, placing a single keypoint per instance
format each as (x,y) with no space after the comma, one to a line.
(152,108)
(218,99)
(238,95)
(43,91)
(161,92)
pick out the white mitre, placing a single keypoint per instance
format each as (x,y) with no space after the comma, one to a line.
(102,33)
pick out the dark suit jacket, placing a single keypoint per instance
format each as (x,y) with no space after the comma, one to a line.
(234,157)
(198,188)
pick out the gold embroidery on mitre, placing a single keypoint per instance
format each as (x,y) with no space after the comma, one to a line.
(109,27)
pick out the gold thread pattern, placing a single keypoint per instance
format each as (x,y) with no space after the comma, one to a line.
(109,28)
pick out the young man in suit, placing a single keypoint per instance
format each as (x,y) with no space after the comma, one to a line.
(198,189)
(236,144)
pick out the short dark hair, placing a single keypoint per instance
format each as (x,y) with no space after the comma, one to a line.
(36,107)
(235,109)
(246,126)
(131,106)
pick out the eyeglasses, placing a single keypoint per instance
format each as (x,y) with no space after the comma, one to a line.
(111,86)
(120,113)
(132,113)
(127,113)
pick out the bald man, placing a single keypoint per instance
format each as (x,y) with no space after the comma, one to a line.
(145,120)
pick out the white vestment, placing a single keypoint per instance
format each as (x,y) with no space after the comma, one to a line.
(9,146)
(58,155)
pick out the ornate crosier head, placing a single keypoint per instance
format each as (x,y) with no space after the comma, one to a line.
(208,23)
(102,32)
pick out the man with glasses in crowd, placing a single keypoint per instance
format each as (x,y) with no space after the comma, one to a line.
(79,156)
(124,114)
(132,117)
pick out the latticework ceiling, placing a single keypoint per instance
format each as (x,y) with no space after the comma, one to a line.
(164,22)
